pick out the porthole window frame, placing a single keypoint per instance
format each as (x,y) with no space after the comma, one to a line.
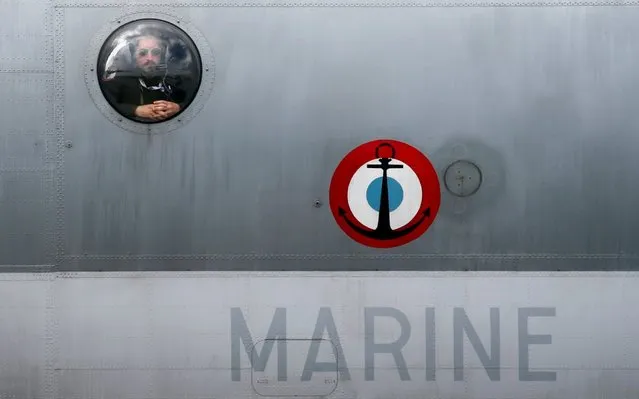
(204,91)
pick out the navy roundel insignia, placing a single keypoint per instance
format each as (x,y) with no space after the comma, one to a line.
(384,194)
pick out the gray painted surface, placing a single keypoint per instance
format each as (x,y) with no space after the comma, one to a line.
(27,133)
(542,98)
(288,103)
(167,335)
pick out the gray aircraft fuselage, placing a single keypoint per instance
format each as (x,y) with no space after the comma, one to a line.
(226,252)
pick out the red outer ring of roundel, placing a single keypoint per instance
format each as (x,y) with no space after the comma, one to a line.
(338,191)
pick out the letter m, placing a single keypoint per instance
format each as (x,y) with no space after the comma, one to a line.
(240,332)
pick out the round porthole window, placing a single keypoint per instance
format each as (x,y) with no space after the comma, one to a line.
(149,74)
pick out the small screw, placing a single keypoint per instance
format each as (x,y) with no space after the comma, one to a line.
(317,203)
(69,144)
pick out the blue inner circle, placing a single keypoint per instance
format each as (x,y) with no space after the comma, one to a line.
(395,193)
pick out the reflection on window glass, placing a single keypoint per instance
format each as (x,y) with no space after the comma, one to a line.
(149,70)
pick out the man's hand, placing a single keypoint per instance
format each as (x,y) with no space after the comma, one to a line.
(165,109)
(148,112)
(159,110)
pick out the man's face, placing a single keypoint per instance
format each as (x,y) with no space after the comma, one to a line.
(147,55)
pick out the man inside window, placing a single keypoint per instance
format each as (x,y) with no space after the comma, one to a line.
(148,93)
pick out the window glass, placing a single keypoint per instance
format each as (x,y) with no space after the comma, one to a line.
(149,70)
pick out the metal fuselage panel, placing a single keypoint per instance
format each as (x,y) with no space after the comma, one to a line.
(348,335)
(541,98)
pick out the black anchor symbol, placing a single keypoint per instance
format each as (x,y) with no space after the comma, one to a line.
(383,230)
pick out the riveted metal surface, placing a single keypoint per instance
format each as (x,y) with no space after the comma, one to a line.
(344,4)
(58,89)
(324,256)
(386,4)
(206,58)
(163,335)
(26,149)
(25,232)
(133,199)
(26,172)
(55,132)
(26,88)
(52,341)
(23,335)
(26,40)
(336,262)
(186,346)
(106,276)
(27,100)
(195,192)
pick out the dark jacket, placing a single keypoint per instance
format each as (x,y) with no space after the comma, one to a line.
(126,93)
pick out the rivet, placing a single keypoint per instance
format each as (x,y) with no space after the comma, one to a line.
(317,203)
